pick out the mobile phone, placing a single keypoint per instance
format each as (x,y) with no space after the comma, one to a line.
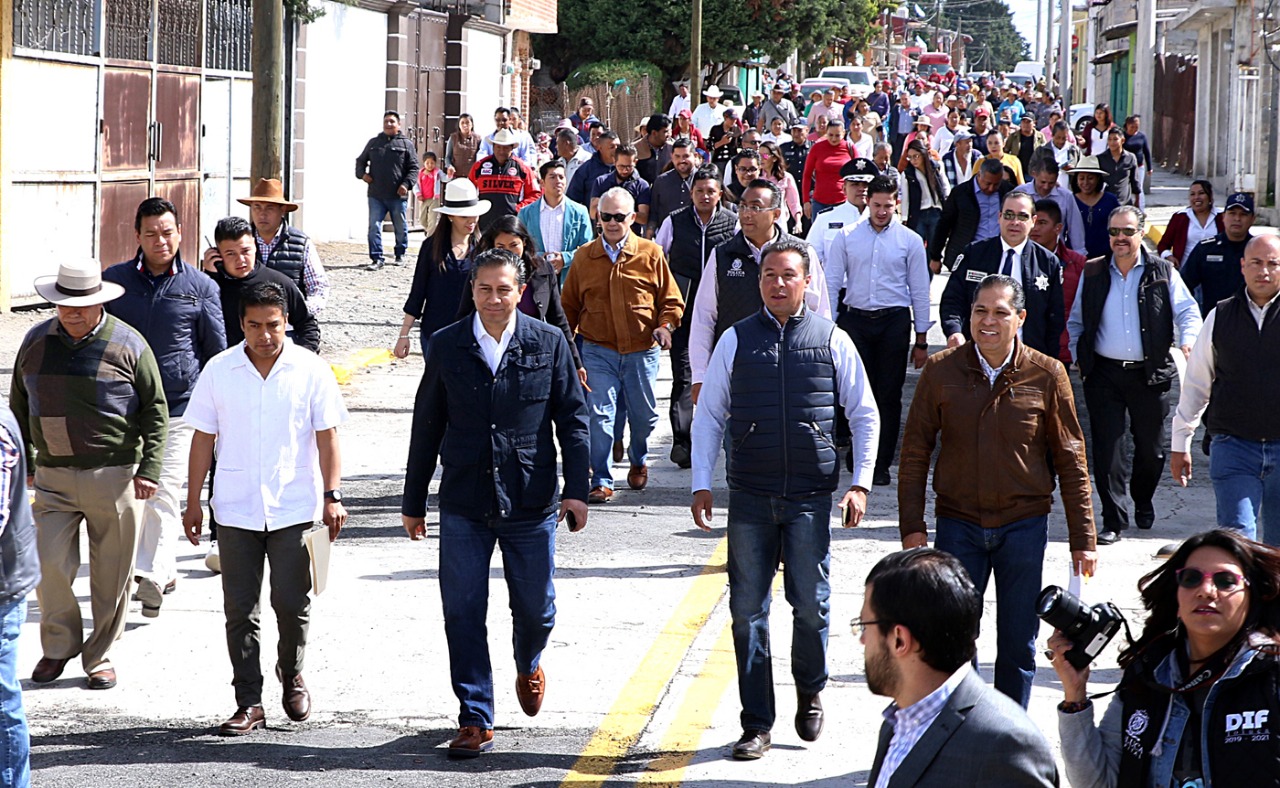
(217,261)
(846,516)
(571,519)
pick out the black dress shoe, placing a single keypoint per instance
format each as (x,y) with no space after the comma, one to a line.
(881,479)
(246,720)
(681,456)
(752,745)
(1108,537)
(1144,520)
(809,716)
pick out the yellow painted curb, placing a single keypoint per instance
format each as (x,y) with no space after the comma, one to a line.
(631,712)
(358,360)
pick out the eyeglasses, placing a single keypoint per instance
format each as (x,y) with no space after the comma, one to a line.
(1223,580)
(605,218)
(1011,216)
(860,626)
(1127,232)
(746,170)
(754,208)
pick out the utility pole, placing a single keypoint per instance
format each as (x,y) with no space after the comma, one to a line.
(1064,52)
(268,90)
(1039,48)
(1144,77)
(695,54)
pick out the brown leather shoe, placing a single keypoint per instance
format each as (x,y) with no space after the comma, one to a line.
(102,679)
(247,719)
(297,700)
(48,669)
(618,451)
(638,477)
(530,688)
(599,495)
(470,742)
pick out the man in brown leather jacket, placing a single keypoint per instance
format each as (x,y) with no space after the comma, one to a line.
(1007,422)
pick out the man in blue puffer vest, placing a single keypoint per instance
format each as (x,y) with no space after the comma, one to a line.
(774,382)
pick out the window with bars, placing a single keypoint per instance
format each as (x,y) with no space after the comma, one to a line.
(178,32)
(128,29)
(55,25)
(230,32)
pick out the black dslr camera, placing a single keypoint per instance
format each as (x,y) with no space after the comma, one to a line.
(1089,629)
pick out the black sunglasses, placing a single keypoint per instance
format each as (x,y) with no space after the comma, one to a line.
(1223,580)
(1127,232)
(605,218)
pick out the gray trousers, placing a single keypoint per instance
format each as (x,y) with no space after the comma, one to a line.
(242,554)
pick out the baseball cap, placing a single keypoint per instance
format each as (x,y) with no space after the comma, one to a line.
(684,113)
(1241,200)
(983,112)
(962,135)
(859,170)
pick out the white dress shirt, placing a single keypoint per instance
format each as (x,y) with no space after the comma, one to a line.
(551,224)
(712,413)
(880,269)
(702,329)
(268,476)
(678,103)
(492,349)
(1016,271)
(827,225)
(1197,385)
(705,117)
(1196,233)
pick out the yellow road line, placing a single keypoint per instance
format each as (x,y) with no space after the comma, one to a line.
(359,360)
(631,712)
(693,718)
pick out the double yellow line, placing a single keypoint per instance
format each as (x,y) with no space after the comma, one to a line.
(635,706)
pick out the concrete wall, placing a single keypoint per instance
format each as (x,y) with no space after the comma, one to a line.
(341,92)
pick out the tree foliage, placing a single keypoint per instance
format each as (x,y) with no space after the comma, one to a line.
(732,30)
(997,44)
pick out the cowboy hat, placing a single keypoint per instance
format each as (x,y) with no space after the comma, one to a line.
(268,190)
(78,284)
(1088,164)
(462,199)
(504,137)
(713,92)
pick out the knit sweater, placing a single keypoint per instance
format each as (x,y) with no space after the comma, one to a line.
(95,403)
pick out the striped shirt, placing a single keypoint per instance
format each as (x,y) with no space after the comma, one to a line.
(910,724)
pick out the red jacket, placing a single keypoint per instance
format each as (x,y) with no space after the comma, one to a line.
(1175,235)
(1072,268)
(508,187)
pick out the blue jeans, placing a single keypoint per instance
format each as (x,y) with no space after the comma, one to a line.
(1246,483)
(528,563)
(615,376)
(15,741)
(1016,553)
(378,209)
(763,529)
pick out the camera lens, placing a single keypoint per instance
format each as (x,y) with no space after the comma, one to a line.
(1062,610)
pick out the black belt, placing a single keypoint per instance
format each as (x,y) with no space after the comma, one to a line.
(877,314)
(1123,364)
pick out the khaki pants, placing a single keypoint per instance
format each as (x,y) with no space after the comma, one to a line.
(101,498)
(427,214)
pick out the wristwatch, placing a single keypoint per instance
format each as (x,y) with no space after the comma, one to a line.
(920,346)
(334,495)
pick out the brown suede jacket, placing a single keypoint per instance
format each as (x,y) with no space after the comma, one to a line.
(992,467)
(619,305)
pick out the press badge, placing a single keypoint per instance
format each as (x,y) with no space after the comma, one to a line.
(975,276)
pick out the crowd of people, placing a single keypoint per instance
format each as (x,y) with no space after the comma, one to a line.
(782,253)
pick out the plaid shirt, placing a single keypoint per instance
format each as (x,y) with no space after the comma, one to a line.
(909,724)
(315,282)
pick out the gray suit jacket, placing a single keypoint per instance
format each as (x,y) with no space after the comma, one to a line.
(981,738)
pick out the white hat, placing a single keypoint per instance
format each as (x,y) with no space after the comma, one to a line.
(1087,164)
(462,199)
(713,92)
(78,284)
(504,137)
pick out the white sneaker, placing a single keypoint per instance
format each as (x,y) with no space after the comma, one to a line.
(212,560)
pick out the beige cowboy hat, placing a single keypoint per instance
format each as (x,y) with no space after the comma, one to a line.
(462,199)
(78,284)
(1088,164)
(504,137)
(713,92)
(268,190)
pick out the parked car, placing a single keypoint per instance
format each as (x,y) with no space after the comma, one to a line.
(730,94)
(1079,114)
(860,78)
(821,83)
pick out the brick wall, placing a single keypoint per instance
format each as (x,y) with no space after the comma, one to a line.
(534,16)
